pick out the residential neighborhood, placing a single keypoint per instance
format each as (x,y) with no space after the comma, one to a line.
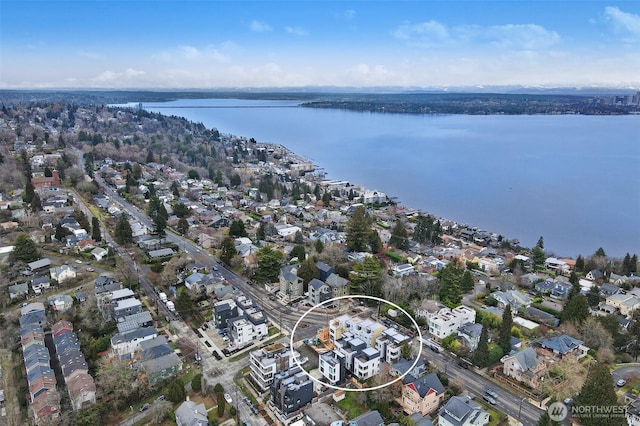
(154,269)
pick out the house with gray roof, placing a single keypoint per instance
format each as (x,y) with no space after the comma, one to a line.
(337,284)
(561,345)
(18,290)
(158,360)
(524,367)
(462,411)
(291,286)
(39,264)
(124,345)
(470,334)
(318,292)
(403,366)
(423,395)
(191,414)
(370,418)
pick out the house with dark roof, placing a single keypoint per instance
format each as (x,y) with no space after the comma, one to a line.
(525,367)
(318,292)
(325,270)
(337,284)
(291,286)
(561,345)
(423,395)
(462,411)
(607,289)
(406,366)
(158,360)
(470,334)
(370,418)
(82,390)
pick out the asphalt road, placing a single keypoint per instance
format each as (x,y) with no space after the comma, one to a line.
(508,402)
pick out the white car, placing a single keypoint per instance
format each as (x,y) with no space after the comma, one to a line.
(227,398)
(621,382)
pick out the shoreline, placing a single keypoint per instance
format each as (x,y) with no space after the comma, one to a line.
(210,122)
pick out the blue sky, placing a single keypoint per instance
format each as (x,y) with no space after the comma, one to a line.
(240,44)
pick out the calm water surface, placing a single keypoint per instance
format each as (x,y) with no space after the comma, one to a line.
(575,180)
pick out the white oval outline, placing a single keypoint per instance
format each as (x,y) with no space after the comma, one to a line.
(357,296)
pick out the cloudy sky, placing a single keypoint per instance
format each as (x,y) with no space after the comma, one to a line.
(240,44)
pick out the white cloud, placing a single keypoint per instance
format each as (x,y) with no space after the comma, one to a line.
(527,36)
(509,36)
(422,32)
(296,31)
(190,52)
(623,23)
(259,26)
(90,55)
(118,79)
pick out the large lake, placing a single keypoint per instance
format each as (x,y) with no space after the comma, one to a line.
(575,180)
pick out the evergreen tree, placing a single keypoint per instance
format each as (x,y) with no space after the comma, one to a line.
(298,238)
(227,250)
(593,296)
(634,263)
(467,283)
(504,337)
(318,245)
(61,232)
(95,229)
(481,354)
(159,225)
(308,271)
(175,189)
(260,233)
(123,233)
(545,420)
(365,277)
(540,243)
(358,230)
(450,277)
(236,229)
(36,204)
(24,249)
(270,261)
(298,251)
(600,252)
(183,226)
(577,309)
(82,219)
(399,236)
(598,391)
(175,391)
(538,256)
(29,192)
(375,243)
(579,263)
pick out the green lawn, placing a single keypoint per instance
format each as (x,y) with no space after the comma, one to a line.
(350,406)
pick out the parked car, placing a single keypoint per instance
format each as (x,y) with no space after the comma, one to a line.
(161,398)
(145,407)
(621,382)
(227,398)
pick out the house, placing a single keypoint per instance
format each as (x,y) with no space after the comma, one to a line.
(291,390)
(423,395)
(191,414)
(462,411)
(370,418)
(61,302)
(406,367)
(561,345)
(524,367)
(291,286)
(470,333)
(158,254)
(265,363)
(18,290)
(325,270)
(556,265)
(319,292)
(99,253)
(82,391)
(626,303)
(595,275)
(448,321)
(158,360)
(39,264)
(124,345)
(223,311)
(403,269)
(337,284)
(607,290)
(513,298)
(62,273)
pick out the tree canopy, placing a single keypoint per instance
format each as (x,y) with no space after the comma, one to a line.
(270,261)
(598,391)
(236,229)
(504,338)
(358,230)
(365,277)
(450,277)
(427,230)
(399,236)
(25,249)
(123,233)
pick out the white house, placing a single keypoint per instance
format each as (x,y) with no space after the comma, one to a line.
(62,273)
(124,345)
(448,321)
